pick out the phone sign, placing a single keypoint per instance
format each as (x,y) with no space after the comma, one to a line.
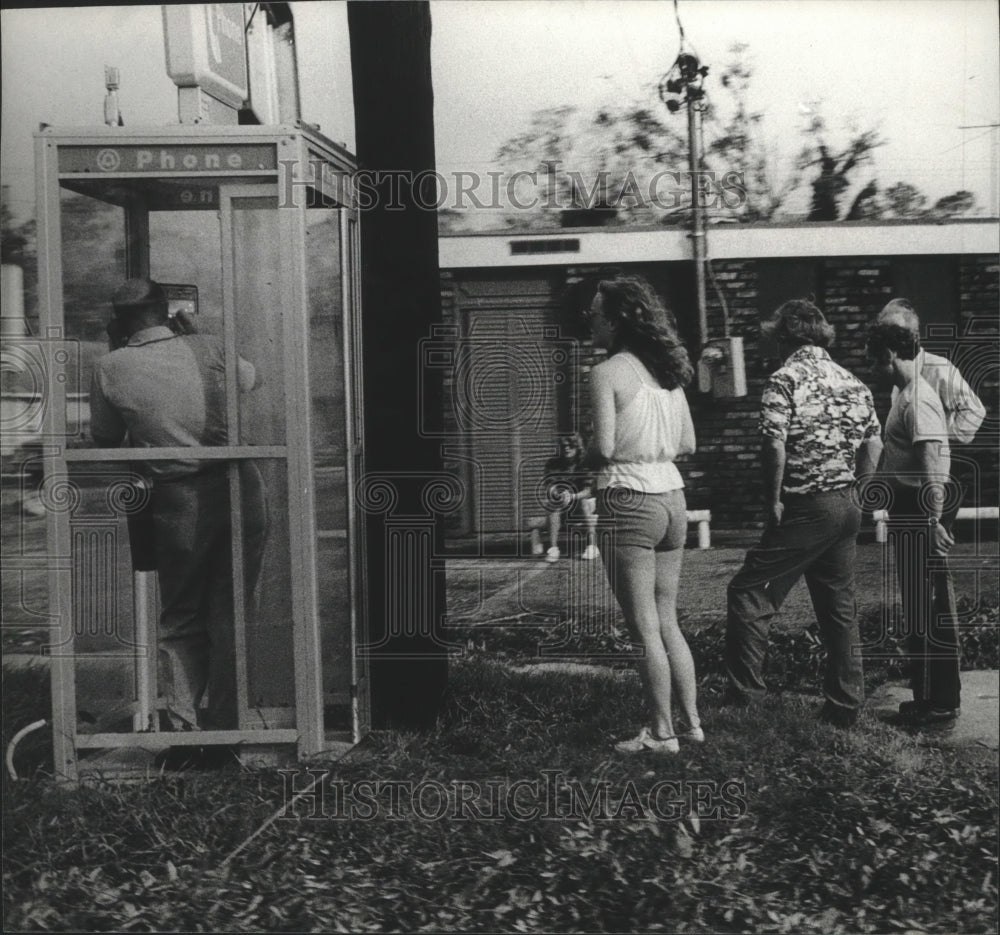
(168,158)
(206,48)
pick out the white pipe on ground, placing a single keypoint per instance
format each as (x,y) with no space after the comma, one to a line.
(881,518)
(23,732)
(703,518)
(143,657)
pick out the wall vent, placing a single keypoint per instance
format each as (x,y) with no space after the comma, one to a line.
(521,247)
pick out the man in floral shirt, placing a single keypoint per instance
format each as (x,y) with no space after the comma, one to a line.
(820,433)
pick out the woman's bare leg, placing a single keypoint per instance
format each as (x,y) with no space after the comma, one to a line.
(555,523)
(590,516)
(635,587)
(668,573)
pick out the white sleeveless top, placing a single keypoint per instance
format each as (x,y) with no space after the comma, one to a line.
(648,432)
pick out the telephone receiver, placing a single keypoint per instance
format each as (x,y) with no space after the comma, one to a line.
(182,306)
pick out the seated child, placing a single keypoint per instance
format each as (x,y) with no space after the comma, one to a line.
(566,484)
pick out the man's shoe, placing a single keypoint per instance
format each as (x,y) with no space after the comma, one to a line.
(739,699)
(646,741)
(926,712)
(590,553)
(933,717)
(553,554)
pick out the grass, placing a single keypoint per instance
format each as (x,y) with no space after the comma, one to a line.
(776,824)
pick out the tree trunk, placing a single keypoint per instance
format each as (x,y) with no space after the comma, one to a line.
(400,292)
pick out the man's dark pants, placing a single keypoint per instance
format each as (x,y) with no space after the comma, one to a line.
(816,538)
(928,598)
(193,541)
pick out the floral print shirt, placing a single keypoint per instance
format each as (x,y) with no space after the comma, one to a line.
(822,413)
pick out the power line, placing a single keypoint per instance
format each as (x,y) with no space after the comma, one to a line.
(966,142)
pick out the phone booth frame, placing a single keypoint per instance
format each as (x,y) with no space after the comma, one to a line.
(286,170)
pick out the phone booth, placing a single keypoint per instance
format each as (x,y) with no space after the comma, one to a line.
(253,232)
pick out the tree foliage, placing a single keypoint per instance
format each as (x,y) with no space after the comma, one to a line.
(17,246)
(17,238)
(602,159)
(574,162)
(833,167)
(904,200)
(961,202)
(739,144)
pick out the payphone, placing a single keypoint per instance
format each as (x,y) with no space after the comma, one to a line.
(253,231)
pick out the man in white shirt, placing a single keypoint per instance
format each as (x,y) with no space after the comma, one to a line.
(932,382)
(916,467)
(964,411)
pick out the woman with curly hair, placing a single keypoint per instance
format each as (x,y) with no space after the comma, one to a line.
(641,424)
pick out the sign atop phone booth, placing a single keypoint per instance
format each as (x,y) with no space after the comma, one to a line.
(207,59)
(206,48)
(228,57)
(251,231)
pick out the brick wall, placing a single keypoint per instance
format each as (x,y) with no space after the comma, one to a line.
(447,335)
(979,293)
(587,355)
(854,291)
(977,355)
(724,474)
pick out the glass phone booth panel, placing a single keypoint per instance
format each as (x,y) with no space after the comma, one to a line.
(324,280)
(270,288)
(88,495)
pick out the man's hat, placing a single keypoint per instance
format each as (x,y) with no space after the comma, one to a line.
(138,293)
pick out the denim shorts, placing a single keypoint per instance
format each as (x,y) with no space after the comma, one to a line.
(655,521)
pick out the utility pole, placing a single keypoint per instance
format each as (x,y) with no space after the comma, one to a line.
(697,219)
(721,368)
(686,77)
(994,161)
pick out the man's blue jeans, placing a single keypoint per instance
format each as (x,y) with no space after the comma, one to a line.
(816,538)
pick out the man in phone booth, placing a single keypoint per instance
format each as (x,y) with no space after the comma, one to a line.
(164,385)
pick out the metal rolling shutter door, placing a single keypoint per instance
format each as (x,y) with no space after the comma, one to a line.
(509,392)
